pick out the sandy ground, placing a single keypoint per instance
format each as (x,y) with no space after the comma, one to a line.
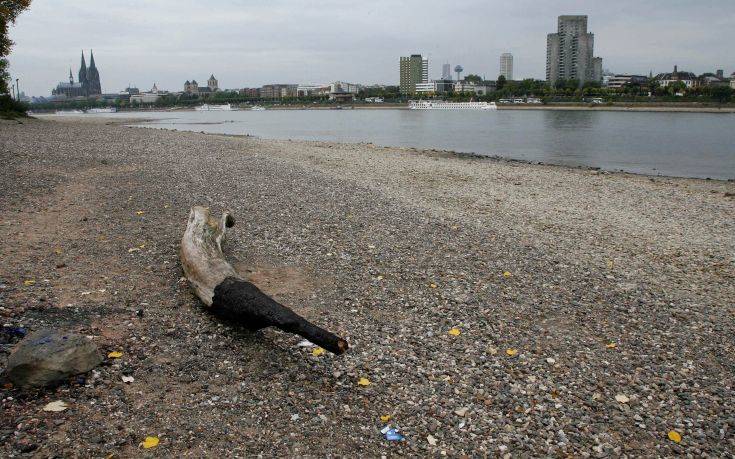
(570,288)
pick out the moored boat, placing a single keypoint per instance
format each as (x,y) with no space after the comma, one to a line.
(445,105)
(214,108)
(102,110)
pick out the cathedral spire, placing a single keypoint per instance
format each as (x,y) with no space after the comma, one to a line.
(91,59)
(71,77)
(83,73)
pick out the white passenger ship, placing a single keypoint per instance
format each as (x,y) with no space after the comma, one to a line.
(214,108)
(443,105)
(102,110)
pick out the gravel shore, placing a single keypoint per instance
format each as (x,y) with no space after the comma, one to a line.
(595,311)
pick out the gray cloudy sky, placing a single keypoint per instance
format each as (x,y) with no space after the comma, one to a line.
(250,43)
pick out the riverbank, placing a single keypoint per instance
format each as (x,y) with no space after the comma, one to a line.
(570,288)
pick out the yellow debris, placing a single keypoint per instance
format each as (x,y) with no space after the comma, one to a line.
(149,442)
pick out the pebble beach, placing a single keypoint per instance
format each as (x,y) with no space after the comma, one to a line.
(492,307)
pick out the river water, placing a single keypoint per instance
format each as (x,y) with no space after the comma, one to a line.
(658,143)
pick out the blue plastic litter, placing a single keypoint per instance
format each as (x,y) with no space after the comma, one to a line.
(393,435)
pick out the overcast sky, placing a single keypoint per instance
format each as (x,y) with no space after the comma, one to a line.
(251,43)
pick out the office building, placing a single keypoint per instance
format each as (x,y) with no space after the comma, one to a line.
(570,52)
(620,81)
(413,70)
(446,72)
(443,86)
(278,91)
(506,66)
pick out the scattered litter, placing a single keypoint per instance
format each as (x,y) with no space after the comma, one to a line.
(29,282)
(115,355)
(431,440)
(295,417)
(134,249)
(507,274)
(305,343)
(385,418)
(391,434)
(379,278)
(622,398)
(674,436)
(127,379)
(461,411)
(60,405)
(363,382)
(433,285)
(454,332)
(492,350)
(317,352)
(149,442)
(511,352)
(86,293)
(551,360)
(461,425)
(140,212)
(611,345)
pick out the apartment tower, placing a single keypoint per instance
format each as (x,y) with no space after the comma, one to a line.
(413,70)
(506,66)
(570,51)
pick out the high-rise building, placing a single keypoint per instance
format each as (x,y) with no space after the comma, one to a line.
(446,72)
(413,70)
(570,51)
(506,66)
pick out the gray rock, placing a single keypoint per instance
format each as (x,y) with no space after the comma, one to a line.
(48,356)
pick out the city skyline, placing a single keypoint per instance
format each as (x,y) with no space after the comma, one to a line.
(251,45)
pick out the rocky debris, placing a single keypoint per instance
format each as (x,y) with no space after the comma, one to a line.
(50,356)
(626,284)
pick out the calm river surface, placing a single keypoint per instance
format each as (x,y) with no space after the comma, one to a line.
(677,144)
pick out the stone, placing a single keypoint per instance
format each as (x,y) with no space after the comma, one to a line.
(50,356)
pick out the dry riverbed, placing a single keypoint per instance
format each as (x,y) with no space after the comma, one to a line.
(592,314)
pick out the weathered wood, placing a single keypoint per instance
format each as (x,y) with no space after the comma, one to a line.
(228,295)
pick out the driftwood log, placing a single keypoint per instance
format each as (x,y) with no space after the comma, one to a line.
(228,295)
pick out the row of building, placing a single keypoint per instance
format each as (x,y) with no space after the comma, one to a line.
(688,79)
(569,57)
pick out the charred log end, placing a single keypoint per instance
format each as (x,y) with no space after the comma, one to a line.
(242,302)
(342,346)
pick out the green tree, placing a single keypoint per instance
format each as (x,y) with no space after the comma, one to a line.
(676,87)
(721,94)
(500,84)
(9,11)
(476,79)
